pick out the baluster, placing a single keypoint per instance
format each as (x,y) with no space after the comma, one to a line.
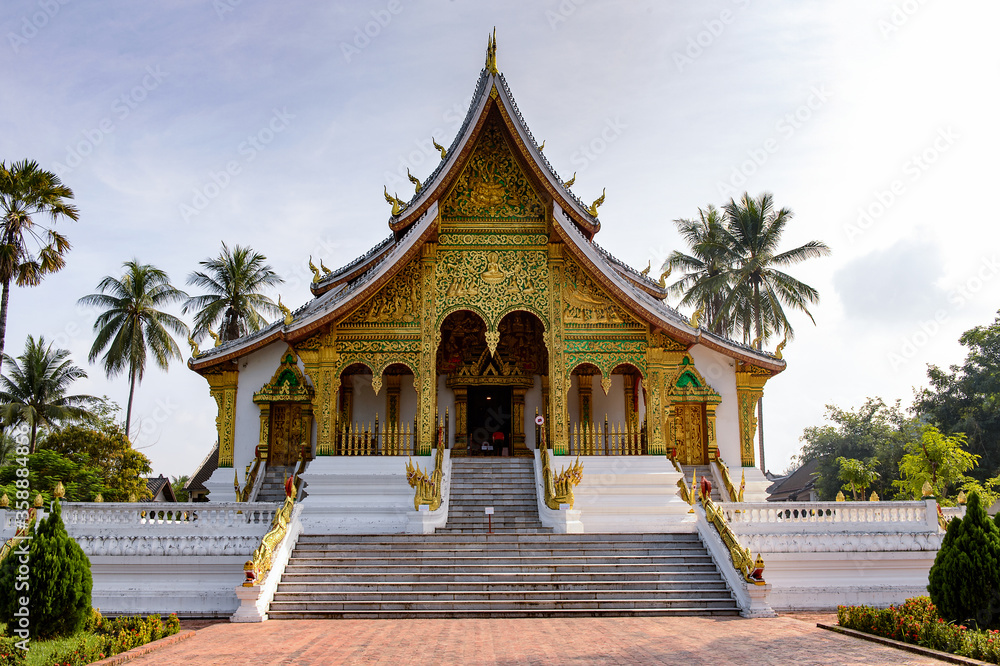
(604,442)
(375,434)
(447,428)
(575,428)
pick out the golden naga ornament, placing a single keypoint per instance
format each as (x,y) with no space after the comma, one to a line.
(541,147)
(438,146)
(779,348)
(663,277)
(215,336)
(696,318)
(285,311)
(569,183)
(649,266)
(315,271)
(755,343)
(397,205)
(195,352)
(326,271)
(597,203)
(413,179)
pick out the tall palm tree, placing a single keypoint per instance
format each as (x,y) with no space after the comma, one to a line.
(234,280)
(34,390)
(703,284)
(29,250)
(758,289)
(131,326)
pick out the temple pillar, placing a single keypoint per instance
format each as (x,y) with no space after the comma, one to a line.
(461,420)
(630,415)
(749,389)
(425,379)
(222,386)
(559,381)
(713,444)
(305,431)
(517,427)
(265,436)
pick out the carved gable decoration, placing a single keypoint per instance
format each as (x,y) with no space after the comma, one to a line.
(687,384)
(586,303)
(492,185)
(288,383)
(396,303)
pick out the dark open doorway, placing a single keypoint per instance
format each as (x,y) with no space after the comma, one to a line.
(489,420)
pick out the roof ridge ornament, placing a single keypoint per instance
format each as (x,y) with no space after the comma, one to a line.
(569,183)
(663,277)
(438,146)
(694,323)
(597,203)
(397,204)
(491,53)
(413,179)
(285,311)
(315,271)
(780,348)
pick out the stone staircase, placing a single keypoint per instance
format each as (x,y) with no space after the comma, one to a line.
(272,488)
(703,471)
(500,575)
(506,484)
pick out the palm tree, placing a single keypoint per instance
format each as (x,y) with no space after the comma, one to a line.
(131,326)
(28,250)
(34,392)
(234,281)
(703,285)
(758,289)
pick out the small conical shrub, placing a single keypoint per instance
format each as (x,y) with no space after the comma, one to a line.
(965,578)
(58,582)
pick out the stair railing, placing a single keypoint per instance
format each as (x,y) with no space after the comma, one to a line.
(559,488)
(727,482)
(427,488)
(257,567)
(254,477)
(751,570)
(606,439)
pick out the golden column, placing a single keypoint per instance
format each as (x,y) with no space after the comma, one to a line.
(320,360)
(663,357)
(558,379)
(222,386)
(749,389)
(426,377)
(461,420)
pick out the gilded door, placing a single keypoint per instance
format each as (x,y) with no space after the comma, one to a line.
(286,428)
(692,448)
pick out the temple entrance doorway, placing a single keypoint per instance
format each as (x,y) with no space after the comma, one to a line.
(490,412)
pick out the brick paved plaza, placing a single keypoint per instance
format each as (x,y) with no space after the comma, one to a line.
(686,640)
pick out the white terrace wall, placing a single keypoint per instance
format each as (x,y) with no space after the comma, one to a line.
(187,558)
(720,373)
(818,555)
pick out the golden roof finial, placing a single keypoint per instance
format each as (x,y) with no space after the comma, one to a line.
(663,277)
(649,266)
(491,53)
(215,336)
(444,153)
(780,347)
(569,183)
(755,343)
(397,205)
(597,204)
(695,317)
(195,352)
(326,271)
(541,147)
(413,179)
(315,271)
(285,311)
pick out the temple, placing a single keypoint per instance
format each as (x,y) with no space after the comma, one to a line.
(489,304)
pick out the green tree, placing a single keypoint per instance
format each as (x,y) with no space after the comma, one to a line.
(965,578)
(937,459)
(703,284)
(966,398)
(59,582)
(131,327)
(178,483)
(874,432)
(234,281)
(46,469)
(34,391)
(109,453)
(28,250)
(857,475)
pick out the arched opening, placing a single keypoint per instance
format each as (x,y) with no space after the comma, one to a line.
(607,414)
(492,395)
(376,416)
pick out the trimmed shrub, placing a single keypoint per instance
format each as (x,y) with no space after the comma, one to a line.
(59,582)
(10,654)
(965,578)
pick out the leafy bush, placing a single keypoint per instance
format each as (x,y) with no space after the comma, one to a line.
(10,654)
(113,636)
(917,621)
(965,578)
(59,582)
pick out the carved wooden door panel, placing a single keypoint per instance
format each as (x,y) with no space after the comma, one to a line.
(285,434)
(690,430)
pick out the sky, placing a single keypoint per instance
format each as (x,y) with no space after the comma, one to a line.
(183,125)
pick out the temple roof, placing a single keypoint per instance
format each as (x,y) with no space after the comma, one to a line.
(339,292)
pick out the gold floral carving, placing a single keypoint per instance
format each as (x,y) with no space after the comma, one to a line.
(222,386)
(663,341)
(585,303)
(508,239)
(397,302)
(492,283)
(492,185)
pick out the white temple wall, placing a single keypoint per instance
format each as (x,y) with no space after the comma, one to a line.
(720,372)
(256,369)
(366,403)
(407,400)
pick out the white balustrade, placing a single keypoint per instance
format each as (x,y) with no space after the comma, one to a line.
(188,517)
(819,517)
